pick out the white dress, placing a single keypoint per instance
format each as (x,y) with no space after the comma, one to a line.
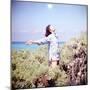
(53,46)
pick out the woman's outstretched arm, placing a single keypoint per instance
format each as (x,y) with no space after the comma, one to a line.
(29,42)
(39,42)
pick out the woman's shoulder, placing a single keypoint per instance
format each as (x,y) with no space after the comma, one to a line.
(50,36)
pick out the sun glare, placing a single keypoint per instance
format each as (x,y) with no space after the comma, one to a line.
(50,6)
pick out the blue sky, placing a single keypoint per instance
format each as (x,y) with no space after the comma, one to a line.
(29,20)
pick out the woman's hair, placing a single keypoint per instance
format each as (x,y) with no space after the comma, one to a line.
(47,31)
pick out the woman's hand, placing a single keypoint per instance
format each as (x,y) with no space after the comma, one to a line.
(29,42)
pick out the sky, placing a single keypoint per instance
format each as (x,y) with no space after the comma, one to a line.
(29,20)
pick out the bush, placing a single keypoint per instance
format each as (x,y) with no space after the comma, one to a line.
(74,56)
(30,68)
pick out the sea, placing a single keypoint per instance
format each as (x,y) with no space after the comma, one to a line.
(23,46)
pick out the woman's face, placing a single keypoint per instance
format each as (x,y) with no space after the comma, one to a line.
(52,29)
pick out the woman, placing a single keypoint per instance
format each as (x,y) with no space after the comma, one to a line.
(53,45)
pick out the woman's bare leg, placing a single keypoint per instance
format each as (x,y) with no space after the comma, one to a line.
(54,64)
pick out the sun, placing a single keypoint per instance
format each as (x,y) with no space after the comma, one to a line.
(50,6)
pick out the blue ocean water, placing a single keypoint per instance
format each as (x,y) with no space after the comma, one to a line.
(22,45)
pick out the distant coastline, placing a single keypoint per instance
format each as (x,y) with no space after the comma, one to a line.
(22,46)
(20,42)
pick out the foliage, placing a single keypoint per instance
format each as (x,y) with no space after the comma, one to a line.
(30,68)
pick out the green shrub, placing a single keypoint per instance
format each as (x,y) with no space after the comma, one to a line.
(30,67)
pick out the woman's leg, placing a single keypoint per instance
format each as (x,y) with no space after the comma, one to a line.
(55,63)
